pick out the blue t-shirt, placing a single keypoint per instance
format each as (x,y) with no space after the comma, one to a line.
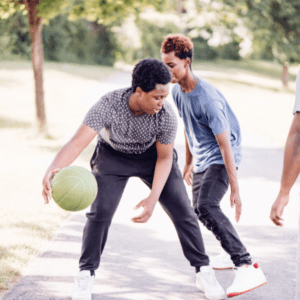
(206,113)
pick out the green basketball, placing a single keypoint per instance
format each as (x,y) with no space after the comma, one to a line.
(74,188)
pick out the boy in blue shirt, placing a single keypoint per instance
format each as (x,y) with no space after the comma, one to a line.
(213,154)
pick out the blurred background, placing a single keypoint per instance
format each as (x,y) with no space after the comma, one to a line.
(58,57)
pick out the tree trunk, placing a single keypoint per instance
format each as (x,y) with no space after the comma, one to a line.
(37,56)
(285,75)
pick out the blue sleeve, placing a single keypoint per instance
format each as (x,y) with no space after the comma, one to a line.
(297,102)
(215,112)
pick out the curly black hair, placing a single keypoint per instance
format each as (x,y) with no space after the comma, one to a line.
(149,72)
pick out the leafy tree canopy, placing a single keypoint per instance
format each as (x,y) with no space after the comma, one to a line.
(273,22)
(104,11)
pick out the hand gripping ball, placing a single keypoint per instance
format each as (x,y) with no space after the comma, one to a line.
(74,188)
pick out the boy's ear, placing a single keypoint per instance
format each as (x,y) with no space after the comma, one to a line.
(139,91)
(188,61)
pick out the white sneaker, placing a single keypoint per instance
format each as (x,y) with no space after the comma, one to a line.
(221,262)
(246,279)
(83,285)
(207,282)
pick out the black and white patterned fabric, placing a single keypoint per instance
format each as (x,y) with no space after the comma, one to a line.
(112,118)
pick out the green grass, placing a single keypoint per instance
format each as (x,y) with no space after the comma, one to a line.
(256,67)
(86,71)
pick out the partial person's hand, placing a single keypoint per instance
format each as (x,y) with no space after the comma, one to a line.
(47,191)
(188,174)
(148,205)
(235,200)
(277,209)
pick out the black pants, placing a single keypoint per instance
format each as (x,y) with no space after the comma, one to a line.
(112,169)
(209,187)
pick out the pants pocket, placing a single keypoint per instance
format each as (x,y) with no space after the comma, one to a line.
(94,156)
(175,155)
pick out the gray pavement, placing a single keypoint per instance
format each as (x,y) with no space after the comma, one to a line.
(145,261)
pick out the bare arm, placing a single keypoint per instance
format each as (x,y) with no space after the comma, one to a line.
(67,155)
(291,170)
(162,171)
(188,168)
(227,154)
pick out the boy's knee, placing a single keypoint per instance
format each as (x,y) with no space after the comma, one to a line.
(203,209)
(205,214)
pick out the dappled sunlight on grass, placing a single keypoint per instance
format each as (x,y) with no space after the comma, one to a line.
(255,67)
(11,123)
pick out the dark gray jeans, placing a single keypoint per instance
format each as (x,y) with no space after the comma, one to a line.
(112,169)
(209,187)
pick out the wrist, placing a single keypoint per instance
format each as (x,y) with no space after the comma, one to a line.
(154,196)
(234,188)
(284,191)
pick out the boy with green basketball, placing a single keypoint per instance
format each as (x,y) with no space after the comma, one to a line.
(136,129)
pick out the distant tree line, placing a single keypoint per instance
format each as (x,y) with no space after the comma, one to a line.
(63,41)
(87,42)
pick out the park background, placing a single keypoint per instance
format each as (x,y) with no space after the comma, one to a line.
(248,49)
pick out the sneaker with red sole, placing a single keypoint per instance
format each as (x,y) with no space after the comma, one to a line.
(246,279)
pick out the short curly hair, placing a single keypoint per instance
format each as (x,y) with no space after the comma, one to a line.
(180,44)
(149,72)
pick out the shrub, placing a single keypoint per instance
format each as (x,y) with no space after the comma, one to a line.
(202,51)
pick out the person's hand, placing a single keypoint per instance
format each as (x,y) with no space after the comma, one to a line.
(188,174)
(235,200)
(148,205)
(47,191)
(277,209)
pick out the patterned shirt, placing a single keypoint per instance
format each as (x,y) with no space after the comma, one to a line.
(117,126)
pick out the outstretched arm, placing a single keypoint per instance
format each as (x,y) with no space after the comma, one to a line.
(162,171)
(227,154)
(188,168)
(291,170)
(66,155)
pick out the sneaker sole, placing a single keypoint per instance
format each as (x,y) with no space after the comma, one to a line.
(240,293)
(228,268)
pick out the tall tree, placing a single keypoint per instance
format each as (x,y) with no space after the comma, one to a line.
(277,24)
(39,11)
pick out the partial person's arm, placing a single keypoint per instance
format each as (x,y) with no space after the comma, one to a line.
(227,154)
(162,171)
(188,168)
(291,170)
(67,155)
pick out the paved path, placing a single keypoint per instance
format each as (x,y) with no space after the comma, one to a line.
(145,261)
